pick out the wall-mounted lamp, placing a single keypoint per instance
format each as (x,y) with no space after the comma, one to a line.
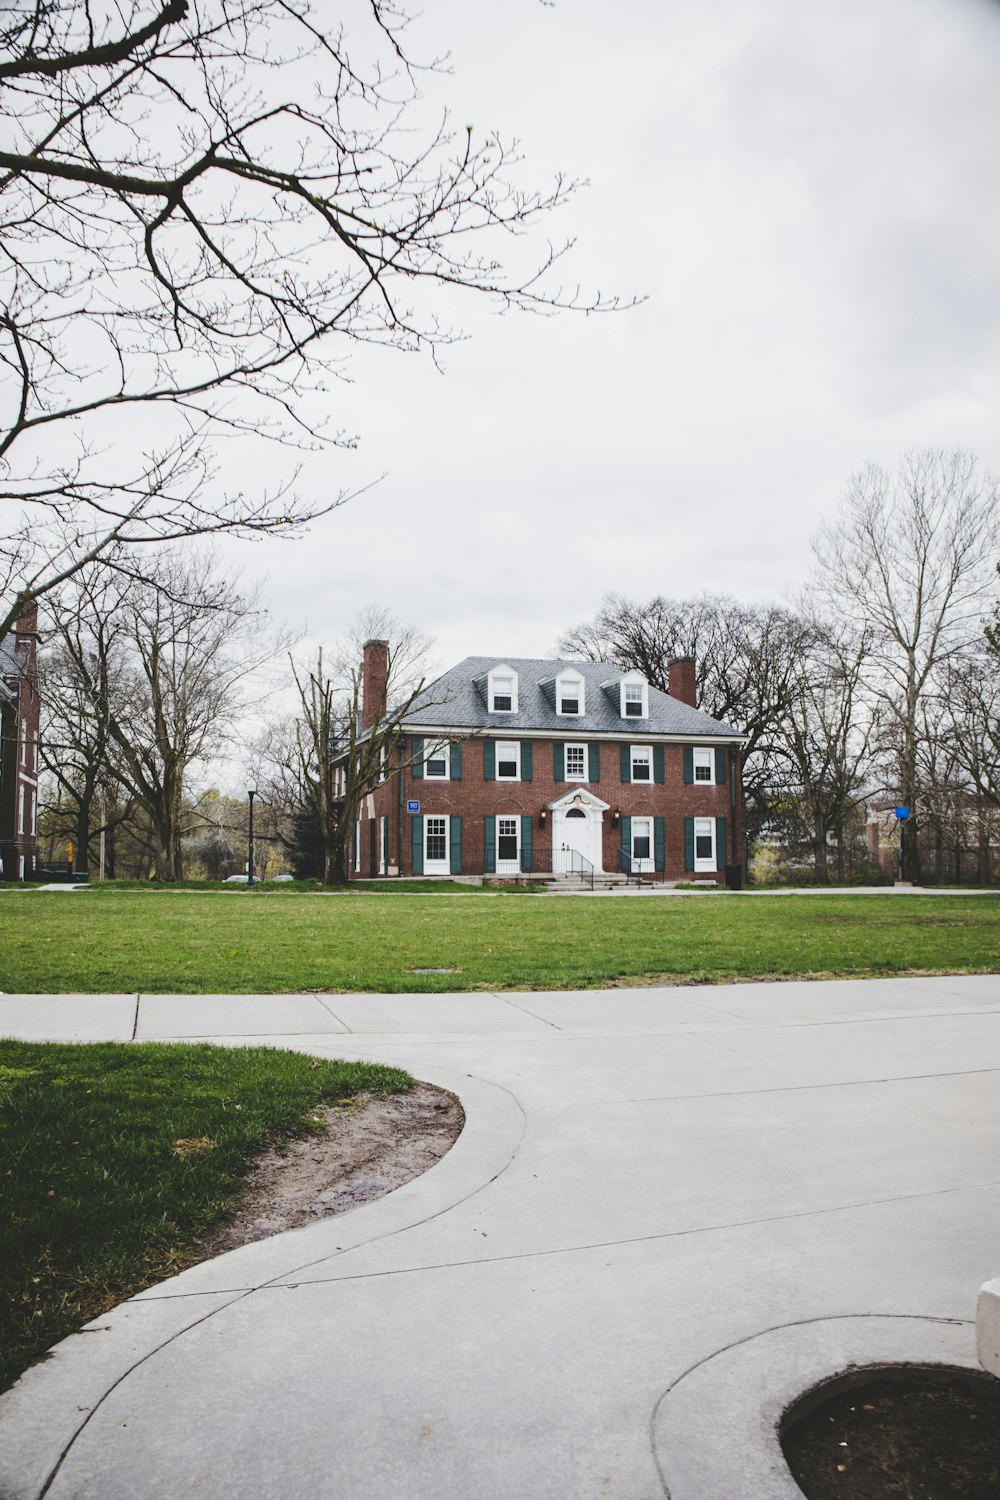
(616,818)
(543,817)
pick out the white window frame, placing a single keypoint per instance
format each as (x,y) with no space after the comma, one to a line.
(644,753)
(705,863)
(508,866)
(383,846)
(702,756)
(502,674)
(20,809)
(440,751)
(574,683)
(568,775)
(643,862)
(633,680)
(508,745)
(437,866)
(357,847)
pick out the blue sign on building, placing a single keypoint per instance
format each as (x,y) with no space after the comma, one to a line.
(902,812)
(413,807)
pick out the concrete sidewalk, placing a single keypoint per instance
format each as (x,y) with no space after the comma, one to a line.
(668,1212)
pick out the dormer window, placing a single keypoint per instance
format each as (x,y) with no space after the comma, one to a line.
(634,698)
(503,691)
(569,694)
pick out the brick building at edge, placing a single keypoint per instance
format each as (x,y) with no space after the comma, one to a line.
(557,768)
(19,719)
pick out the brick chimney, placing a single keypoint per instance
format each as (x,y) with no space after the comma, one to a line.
(681,680)
(374,675)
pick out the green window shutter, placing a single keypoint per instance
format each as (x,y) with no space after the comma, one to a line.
(526,851)
(625,761)
(720,844)
(489,760)
(558,761)
(689,843)
(593,762)
(456,761)
(626,826)
(689,767)
(658,767)
(417,756)
(489,846)
(720,765)
(660,843)
(455,845)
(526,748)
(416,845)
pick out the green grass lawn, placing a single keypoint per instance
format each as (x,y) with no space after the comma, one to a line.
(115,1156)
(180,942)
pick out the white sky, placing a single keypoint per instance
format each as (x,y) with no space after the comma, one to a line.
(808,195)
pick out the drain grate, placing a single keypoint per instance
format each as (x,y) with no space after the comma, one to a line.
(433,971)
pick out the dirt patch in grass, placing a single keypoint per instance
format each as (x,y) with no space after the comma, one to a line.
(905,1434)
(369,1147)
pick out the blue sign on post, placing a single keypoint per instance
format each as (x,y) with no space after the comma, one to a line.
(902,812)
(413,807)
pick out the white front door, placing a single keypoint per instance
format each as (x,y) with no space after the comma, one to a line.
(508,846)
(436,860)
(579,832)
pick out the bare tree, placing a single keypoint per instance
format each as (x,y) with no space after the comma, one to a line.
(204,206)
(347,746)
(825,735)
(182,647)
(746,667)
(910,555)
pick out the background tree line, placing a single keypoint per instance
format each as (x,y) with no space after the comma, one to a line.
(880,686)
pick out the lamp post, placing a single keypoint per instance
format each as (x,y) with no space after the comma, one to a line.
(251,793)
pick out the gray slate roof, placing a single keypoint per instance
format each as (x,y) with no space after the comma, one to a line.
(458,700)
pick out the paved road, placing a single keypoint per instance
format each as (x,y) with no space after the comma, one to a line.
(669,1210)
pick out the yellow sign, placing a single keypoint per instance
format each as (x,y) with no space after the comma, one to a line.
(69,852)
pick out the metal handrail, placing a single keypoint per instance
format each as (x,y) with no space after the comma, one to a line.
(627,863)
(584,866)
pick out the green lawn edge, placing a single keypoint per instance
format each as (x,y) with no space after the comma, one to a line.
(185,945)
(117,1156)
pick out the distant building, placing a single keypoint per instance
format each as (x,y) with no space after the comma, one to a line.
(19,717)
(513,767)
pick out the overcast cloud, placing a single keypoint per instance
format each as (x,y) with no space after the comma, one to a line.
(808,197)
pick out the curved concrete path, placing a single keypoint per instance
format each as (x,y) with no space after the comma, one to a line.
(669,1210)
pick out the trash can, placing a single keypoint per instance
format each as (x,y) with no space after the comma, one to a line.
(734,877)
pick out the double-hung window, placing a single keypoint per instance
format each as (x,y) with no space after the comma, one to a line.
(642,763)
(704,764)
(642,839)
(704,844)
(436,766)
(569,694)
(502,690)
(576,762)
(633,700)
(508,762)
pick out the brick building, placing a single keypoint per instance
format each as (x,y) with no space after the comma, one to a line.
(552,768)
(19,716)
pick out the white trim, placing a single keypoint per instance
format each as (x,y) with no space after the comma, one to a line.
(508,866)
(592,731)
(633,680)
(514,745)
(572,679)
(504,672)
(438,751)
(437,866)
(645,862)
(705,863)
(576,745)
(708,757)
(643,751)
